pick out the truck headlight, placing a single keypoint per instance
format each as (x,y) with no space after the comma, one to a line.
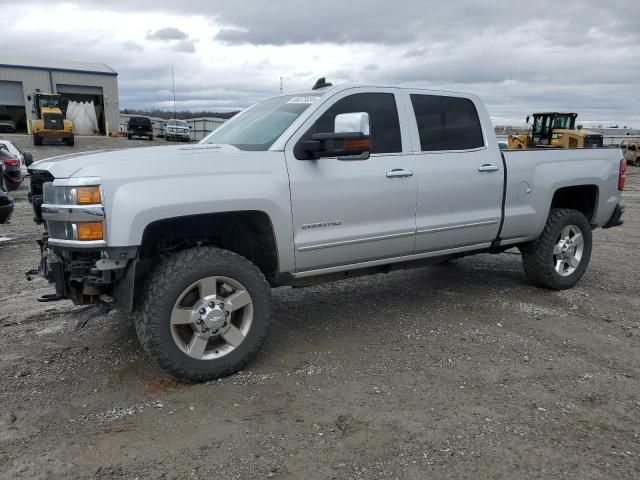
(73,211)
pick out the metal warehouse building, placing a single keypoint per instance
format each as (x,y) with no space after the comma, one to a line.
(74,81)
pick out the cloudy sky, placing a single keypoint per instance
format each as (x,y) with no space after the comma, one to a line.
(520,57)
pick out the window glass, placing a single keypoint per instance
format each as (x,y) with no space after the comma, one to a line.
(261,125)
(384,125)
(446,123)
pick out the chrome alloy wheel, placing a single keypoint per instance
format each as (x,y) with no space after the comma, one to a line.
(211,317)
(567,252)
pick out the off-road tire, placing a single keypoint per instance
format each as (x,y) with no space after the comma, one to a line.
(70,141)
(151,138)
(37,140)
(537,256)
(129,136)
(163,287)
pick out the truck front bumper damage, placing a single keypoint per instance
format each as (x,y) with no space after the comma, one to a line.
(88,277)
(616,218)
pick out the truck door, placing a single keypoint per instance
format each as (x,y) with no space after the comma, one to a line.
(351,210)
(460,179)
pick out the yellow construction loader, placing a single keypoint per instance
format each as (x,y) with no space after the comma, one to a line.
(49,120)
(555,130)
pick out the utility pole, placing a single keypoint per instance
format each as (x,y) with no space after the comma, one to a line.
(173,79)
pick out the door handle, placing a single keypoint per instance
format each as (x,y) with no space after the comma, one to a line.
(399,173)
(487,167)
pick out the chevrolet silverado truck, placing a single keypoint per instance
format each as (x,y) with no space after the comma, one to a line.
(310,187)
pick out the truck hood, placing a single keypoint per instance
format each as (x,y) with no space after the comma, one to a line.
(102,162)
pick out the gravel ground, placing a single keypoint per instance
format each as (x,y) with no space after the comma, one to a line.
(462,370)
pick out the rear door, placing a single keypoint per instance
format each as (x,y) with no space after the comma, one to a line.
(460,177)
(351,211)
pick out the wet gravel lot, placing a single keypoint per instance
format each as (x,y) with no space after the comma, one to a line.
(461,370)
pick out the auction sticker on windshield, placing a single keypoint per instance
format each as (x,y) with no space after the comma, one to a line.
(309,99)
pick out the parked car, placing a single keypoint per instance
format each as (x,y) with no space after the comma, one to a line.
(7,124)
(12,172)
(177,130)
(306,188)
(25,157)
(631,150)
(139,127)
(6,202)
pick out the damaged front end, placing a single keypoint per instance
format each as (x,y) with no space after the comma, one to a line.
(74,253)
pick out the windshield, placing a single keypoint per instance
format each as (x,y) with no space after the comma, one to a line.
(261,125)
(49,101)
(177,123)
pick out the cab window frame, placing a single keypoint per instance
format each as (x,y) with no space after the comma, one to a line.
(330,108)
(475,140)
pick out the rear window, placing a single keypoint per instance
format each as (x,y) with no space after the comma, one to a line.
(447,123)
(139,121)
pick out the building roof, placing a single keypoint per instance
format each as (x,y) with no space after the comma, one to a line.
(56,65)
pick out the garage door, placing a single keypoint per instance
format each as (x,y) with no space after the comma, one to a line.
(11,93)
(79,89)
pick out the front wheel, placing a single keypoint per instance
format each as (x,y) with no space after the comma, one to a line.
(70,141)
(558,258)
(37,140)
(205,313)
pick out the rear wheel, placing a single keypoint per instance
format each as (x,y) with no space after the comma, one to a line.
(37,140)
(70,141)
(151,138)
(558,258)
(205,313)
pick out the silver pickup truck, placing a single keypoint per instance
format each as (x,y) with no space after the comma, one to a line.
(310,187)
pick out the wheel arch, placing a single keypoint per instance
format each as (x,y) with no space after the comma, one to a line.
(249,233)
(583,198)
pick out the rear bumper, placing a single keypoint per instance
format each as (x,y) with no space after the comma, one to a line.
(616,218)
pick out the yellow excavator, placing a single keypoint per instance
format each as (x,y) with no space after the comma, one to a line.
(555,130)
(49,120)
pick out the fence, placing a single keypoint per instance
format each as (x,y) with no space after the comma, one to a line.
(200,127)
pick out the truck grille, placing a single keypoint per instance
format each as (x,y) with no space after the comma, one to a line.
(53,121)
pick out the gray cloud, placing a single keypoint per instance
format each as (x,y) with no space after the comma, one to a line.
(582,55)
(184,46)
(132,46)
(167,33)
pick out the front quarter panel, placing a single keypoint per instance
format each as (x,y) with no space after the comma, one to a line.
(198,184)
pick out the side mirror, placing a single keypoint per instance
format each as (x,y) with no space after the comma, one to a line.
(527,120)
(29,97)
(349,141)
(28,158)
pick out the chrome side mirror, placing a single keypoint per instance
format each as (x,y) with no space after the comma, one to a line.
(352,122)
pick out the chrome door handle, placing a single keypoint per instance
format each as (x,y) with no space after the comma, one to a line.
(399,173)
(487,167)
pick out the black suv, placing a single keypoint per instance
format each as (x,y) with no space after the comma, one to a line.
(139,127)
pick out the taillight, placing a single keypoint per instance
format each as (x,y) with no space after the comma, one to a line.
(14,162)
(621,176)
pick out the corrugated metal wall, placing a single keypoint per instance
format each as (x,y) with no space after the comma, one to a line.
(46,81)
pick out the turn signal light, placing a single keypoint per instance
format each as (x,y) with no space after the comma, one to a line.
(88,195)
(90,231)
(356,143)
